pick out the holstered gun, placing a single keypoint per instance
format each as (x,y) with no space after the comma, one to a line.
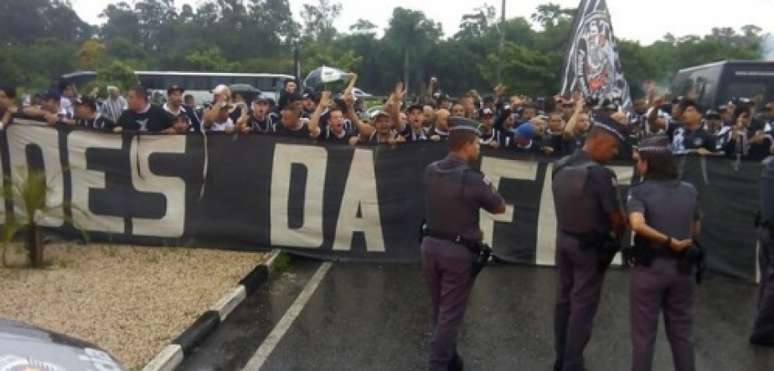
(605,245)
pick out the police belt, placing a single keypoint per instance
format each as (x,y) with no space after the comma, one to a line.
(644,252)
(591,239)
(472,245)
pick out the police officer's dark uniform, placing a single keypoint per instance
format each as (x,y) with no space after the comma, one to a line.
(662,279)
(763,331)
(454,194)
(585,198)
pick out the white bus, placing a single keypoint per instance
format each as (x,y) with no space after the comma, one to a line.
(198,84)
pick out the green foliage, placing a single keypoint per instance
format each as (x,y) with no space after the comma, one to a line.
(208,60)
(23,22)
(37,65)
(260,35)
(29,193)
(91,54)
(282,262)
(318,20)
(29,196)
(526,70)
(115,73)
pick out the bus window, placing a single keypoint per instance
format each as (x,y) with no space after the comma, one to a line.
(745,90)
(151,81)
(197,83)
(262,83)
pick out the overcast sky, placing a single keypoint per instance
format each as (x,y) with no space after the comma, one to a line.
(643,20)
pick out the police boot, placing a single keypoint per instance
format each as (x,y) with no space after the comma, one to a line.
(456,363)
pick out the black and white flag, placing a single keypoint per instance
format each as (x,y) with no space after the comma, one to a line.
(592,65)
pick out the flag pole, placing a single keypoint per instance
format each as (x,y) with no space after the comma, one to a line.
(501,46)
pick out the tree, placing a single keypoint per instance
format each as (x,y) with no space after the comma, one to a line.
(208,60)
(637,65)
(363,26)
(475,24)
(526,71)
(156,19)
(260,36)
(26,21)
(275,20)
(551,14)
(115,73)
(318,20)
(91,54)
(413,34)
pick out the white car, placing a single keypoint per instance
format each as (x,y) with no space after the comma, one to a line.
(24,347)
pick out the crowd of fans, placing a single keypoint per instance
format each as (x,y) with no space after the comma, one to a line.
(557,126)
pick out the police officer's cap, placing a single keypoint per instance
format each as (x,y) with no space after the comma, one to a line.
(462,125)
(610,128)
(656,144)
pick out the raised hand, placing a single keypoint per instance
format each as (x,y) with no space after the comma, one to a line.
(580,103)
(499,90)
(399,92)
(325,99)
(658,101)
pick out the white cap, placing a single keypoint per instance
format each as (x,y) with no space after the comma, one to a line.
(221,89)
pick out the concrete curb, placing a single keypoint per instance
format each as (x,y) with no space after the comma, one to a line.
(174,354)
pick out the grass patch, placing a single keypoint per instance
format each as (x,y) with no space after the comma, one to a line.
(282,262)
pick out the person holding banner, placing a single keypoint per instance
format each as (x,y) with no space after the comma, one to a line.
(590,222)
(664,213)
(452,251)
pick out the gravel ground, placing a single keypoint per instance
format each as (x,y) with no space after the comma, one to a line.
(129,300)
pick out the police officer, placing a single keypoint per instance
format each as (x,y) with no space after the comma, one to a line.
(588,211)
(763,332)
(664,215)
(454,193)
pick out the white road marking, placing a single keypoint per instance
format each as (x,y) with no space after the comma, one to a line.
(282,327)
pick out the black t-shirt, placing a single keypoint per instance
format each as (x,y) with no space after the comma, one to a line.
(286,98)
(194,123)
(154,120)
(489,138)
(506,138)
(99,122)
(571,145)
(555,141)
(267,125)
(750,151)
(415,136)
(342,138)
(443,135)
(684,139)
(301,132)
(325,119)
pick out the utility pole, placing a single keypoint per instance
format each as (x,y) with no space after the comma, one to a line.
(296,63)
(501,46)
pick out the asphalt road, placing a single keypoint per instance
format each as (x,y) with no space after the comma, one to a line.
(342,316)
